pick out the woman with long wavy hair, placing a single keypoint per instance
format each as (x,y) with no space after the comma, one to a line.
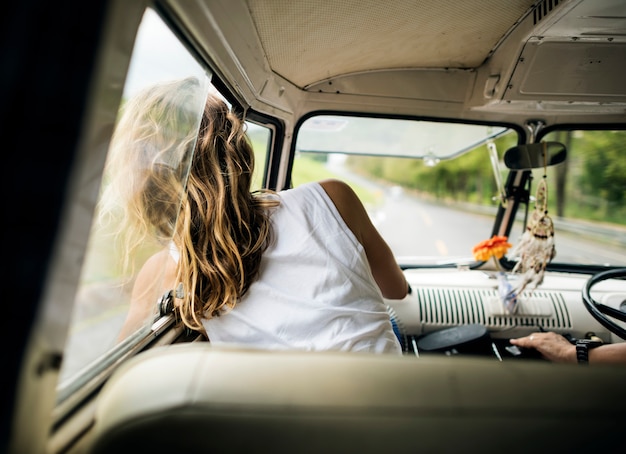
(302,268)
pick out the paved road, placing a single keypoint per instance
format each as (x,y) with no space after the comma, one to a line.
(436,232)
(415,227)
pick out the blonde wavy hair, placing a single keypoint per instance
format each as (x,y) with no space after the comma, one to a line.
(186,179)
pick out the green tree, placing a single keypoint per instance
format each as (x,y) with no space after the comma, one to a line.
(604,164)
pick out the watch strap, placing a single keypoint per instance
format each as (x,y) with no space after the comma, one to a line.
(582,349)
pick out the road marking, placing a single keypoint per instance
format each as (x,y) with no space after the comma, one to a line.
(441,247)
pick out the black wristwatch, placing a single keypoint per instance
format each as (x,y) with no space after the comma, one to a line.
(582,349)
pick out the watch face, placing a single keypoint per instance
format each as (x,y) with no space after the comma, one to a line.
(589,343)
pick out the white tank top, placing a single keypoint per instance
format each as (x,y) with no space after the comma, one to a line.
(315,289)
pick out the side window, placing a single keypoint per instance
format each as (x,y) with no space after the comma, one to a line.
(260,138)
(103,298)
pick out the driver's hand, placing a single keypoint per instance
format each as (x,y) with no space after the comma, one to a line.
(552,346)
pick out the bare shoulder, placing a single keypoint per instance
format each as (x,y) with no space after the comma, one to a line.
(348,204)
(160,264)
(339,191)
(158,260)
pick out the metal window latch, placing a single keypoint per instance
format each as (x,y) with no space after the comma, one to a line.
(166,303)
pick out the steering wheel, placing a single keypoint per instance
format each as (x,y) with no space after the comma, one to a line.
(601,312)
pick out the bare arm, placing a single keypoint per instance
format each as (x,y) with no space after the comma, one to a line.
(608,353)
(558,349)
(156,276)
(387,274)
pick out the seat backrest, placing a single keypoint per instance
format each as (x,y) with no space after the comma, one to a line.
(198,398)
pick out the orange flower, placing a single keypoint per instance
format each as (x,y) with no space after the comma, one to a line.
(496,246)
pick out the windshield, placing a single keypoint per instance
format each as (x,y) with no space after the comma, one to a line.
(392,137)
(433,207)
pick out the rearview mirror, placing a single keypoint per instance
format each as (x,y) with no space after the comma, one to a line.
(535,155)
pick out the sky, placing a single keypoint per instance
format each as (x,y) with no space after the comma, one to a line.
(158,56)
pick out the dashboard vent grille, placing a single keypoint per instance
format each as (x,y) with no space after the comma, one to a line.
(450,307)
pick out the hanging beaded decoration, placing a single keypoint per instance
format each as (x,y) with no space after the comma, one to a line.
(536,247)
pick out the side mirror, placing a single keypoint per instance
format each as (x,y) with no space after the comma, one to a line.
(535,155)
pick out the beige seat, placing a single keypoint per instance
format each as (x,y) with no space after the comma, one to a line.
(198,398)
